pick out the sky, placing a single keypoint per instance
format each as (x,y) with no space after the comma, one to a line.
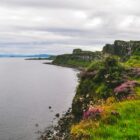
(59,26)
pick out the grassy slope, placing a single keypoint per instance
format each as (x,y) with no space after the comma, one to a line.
(124,127)
(70,61)
(77,60)
(134,61)
(74,63)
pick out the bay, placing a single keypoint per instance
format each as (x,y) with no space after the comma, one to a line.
(27,89)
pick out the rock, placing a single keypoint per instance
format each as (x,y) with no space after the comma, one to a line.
(36,124)
(122,48)
(50,107)
(57,115)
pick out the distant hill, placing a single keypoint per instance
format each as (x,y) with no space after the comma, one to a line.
(26,55)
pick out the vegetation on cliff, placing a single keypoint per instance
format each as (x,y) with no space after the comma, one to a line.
(106,105)
(107,100)
(134,61)
(82,59)
(78,59)
(119,121)
(97,83)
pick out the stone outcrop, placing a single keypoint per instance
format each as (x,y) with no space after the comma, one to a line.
(122,48)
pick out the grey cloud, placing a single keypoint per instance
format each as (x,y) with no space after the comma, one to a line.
(46,3)
(38,25)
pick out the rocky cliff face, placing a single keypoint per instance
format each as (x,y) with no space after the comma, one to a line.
(86,55)
(122,48)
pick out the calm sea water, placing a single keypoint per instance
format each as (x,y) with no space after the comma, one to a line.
(27,89)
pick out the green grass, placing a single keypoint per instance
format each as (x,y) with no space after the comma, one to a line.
(134,61)
(70,61)
(78,59)
(75,63)
(125,127)
(137,90)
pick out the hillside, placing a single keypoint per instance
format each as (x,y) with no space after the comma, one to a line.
(82,59)
(107,100)
(78,59)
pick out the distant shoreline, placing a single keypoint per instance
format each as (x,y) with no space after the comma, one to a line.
(66,66)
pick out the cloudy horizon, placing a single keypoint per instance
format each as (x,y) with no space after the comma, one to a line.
(59,26)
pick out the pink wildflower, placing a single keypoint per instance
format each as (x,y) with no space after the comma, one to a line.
(92,112)
(125,87)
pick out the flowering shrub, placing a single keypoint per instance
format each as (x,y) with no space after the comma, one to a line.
(125,88)
(92,112)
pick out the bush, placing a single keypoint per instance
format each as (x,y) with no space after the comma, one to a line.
(125,89)
(98,82)
(92,112)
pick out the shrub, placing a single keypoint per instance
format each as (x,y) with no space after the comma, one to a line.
(98,81)
(92,112)
(125,89)
(134,61)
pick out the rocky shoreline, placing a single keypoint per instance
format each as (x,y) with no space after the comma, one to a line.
(61,130)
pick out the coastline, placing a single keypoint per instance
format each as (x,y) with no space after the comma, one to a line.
(62,127)
(66,66)
(103,87)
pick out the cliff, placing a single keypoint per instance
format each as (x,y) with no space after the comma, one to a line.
(107,100)
(122,48)
(78,59)
(108,94)
(82,59)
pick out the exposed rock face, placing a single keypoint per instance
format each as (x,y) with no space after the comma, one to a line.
(122,48)
(86,55)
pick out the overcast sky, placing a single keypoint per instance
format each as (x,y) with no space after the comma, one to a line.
(58,26)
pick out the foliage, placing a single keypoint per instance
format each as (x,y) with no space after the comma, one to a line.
(78,59)
(125,125)
(134,61)
(109,74)
(137,52)
(106,104)
(95,65)
(137,91)
(70,61)
(125,88)
(118,120)
(93,112)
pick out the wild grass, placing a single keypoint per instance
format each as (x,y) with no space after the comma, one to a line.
(134,61)
(126,126)
(124,123)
